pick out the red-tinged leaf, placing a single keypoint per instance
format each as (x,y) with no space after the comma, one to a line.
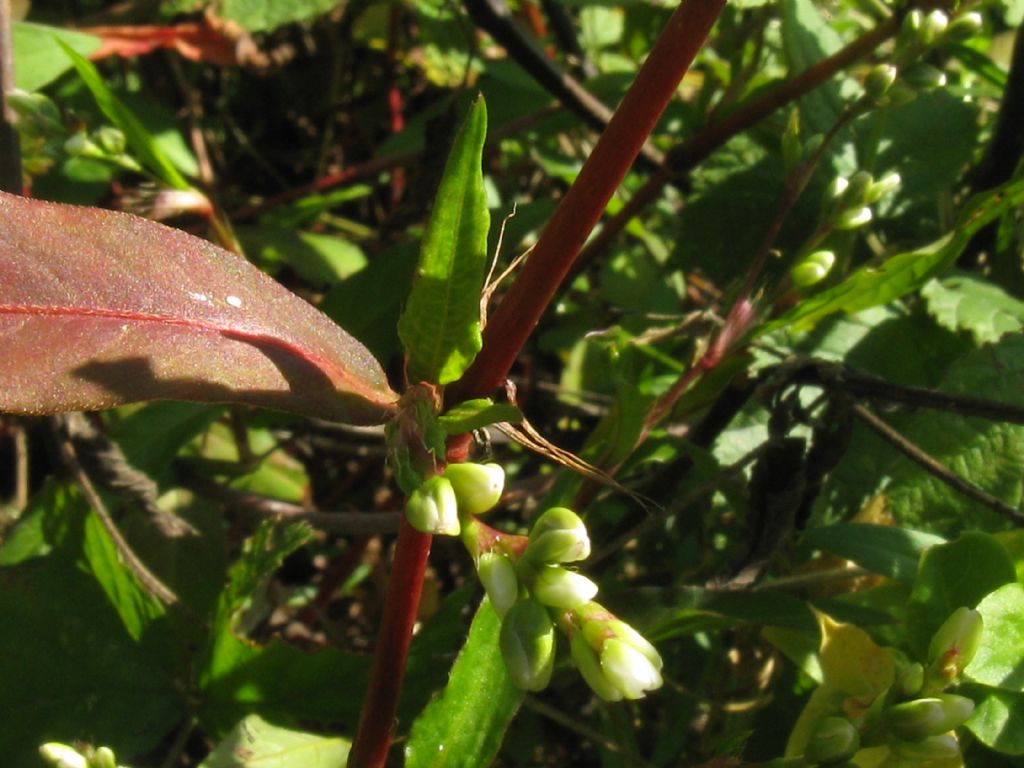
(196,41)
(99,308)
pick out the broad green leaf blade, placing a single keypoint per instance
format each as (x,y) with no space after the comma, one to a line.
(39,59)
(966,303)
(465,725)
(998,719)
(440,326)
(871,286)
(267,15)
(998,660)
(476,414)
(960,573)
(99,308)
(139,139)
(890,551)
(807,38)
(255,742)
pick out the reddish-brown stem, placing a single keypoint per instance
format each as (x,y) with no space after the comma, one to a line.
(373,738)
(581,208)
(689,153)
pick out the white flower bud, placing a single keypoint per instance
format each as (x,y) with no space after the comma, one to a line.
(628,669)
(103,757)
(853,218)
(62,756)
(432,508)
(558,536)
(561,588)
(528,645)
(589,665)
(498,575)
(478,487)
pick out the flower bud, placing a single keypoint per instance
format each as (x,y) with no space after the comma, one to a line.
(838,187)
(924,77)
(852,218)
(879,80)
(812,269)
(835,739)
(62,756)
(629,669)
(954,643)
(935,750)
(111,139)
(882,187)
(498,575)
(80,145)
(432,507)
(561,588)
(558,536)
(909,683)
(856,191)
(589,665)
(910,32)
(35,109)
(964,27)
(933,26)
(920,719)
(528,645)
(103,757)
(477,487)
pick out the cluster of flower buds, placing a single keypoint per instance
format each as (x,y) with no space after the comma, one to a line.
(65,756)
(900,80)
(853,197)
(440,504)
(915,718)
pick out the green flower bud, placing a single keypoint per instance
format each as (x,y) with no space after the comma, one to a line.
(432,507)
(910,32)
(879,189)
(561,588)
(924,77)
(933,750)
(629,669)
(110,139)
(852,218)
(879,80)
(838,187)
(103,757)
(954,643)
(62,756)
(558,536)
(589,665)
(498,575)
(910,681)
(964,27)
(857,190)
(920,719)
(478,487)
(528,645)
(933,26)
(900,94)
(35,109)
(812,269)
(80,145)
(834,740)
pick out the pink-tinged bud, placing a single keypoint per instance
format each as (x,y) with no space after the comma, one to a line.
(561,588)
(498,575)
(477,487)
(432,508)
(558,536)
(528,645)
(954,644)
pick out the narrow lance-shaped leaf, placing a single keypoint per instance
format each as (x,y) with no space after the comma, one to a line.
(440,326)
(99,308)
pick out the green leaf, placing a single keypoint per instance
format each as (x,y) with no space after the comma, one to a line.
(267,15)
(998,661)
(890,551)
(807,38)
(465,725)
(139,139)
(906,272)
(320,260)
(966,303)
(39,58)
(951,576)
(255,742)
(440,326)
(998,719)
(476,414)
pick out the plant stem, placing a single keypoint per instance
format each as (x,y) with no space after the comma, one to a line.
(10,150)
(582,206)
(370,748)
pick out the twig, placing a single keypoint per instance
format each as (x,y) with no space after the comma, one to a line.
(21,490)
(342,523)
(930,465)
(146,578)
(10,148)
